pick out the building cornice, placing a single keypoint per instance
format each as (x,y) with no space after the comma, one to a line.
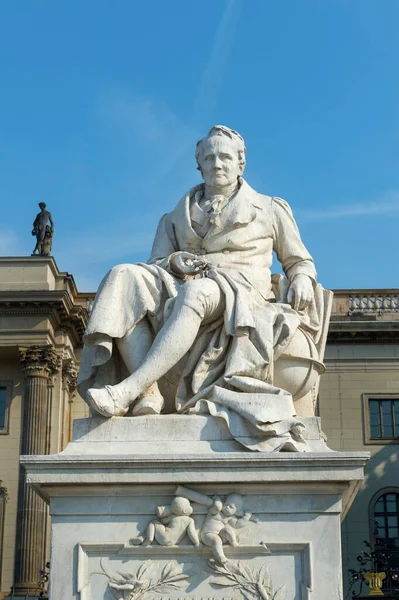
(57,305)
(365,365)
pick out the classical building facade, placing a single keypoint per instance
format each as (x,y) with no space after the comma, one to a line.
(359,409)
(42,319)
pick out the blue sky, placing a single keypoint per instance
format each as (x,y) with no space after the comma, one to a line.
(101,103)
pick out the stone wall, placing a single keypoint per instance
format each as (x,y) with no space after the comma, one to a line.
(354,371)
(9,471)
(42,319)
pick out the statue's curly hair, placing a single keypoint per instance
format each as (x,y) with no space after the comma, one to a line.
(227,132)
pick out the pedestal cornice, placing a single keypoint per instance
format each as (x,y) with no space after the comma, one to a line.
(93,462)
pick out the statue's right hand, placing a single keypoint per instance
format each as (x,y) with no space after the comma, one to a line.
(185,263)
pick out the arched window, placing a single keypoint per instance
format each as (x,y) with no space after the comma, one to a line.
(385,518)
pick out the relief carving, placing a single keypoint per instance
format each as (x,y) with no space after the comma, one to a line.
(250,583)
(175,523)
(150,578)
(219,527)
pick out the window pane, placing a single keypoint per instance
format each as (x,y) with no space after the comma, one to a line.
(387,422)
(375,431)
(3,406)
(379,506)
(375,421)
(387,431)
(392,521)
(392,506)
(386,407)
(379,529)
(374,407)
(393,532)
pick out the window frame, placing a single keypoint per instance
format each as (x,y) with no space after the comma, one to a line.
(6,383)
(368,440)
(372,504)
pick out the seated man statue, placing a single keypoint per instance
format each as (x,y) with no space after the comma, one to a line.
(202,312)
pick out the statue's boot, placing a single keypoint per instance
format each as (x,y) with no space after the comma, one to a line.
(151,402)
(110,401)
(107,402)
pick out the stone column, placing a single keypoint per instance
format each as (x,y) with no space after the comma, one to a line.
(39,363)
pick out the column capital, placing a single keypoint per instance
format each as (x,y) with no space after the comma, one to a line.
(69,376)
(39,361)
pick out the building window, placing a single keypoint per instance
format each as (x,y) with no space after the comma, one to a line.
(386,519)
(381,418)
(5,398)
(384,419)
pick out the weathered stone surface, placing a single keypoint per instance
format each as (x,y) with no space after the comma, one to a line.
(230,340)
(285,513)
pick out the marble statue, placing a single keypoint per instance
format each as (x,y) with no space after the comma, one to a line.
(204,319)
(43,231)
(174,527)
(221,521)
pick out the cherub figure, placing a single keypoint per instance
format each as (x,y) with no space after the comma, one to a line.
(221,521)
(174,527)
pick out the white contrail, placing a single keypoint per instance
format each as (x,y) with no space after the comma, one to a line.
(212,77)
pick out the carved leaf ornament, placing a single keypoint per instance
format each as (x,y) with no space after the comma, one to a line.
(149,578)
(252,584)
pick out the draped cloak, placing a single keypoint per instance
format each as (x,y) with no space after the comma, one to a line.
(228,372)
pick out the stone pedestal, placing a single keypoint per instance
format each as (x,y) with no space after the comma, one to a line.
(119,475)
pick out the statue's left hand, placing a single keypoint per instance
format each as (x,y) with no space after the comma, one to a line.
(300,294)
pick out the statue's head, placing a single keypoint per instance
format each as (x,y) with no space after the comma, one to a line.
(233,504)
(221,156)
(181,506)
(42,205)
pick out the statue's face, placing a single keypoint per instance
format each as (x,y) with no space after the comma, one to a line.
(219,161)
(229,509)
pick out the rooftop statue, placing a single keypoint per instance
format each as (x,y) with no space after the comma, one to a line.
(43,231)
(204,322)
